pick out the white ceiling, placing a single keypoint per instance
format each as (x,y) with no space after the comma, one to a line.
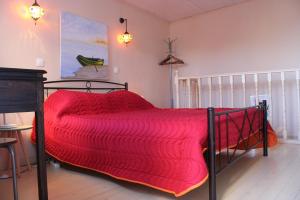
(172,10)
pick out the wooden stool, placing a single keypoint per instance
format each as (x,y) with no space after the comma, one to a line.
(8,143)
(16,132)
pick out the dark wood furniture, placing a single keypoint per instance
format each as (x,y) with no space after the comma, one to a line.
(22,91)
(8,143)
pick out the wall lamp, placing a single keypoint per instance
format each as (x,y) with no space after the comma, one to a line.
(126,37)
(36,11)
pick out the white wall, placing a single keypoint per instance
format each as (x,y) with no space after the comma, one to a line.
(256,35)
(22,42)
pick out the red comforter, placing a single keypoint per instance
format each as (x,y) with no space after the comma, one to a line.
(126,137)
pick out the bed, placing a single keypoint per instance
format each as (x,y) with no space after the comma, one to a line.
(122,135)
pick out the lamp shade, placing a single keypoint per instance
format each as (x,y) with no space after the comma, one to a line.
(36,11)
(126,37)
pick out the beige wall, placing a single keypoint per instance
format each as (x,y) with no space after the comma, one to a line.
(256,35)
(21,42)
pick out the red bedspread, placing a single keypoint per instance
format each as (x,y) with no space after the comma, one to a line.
(126,137)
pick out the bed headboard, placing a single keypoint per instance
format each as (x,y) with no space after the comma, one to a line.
(83,85)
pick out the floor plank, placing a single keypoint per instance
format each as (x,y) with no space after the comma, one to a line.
(252,177)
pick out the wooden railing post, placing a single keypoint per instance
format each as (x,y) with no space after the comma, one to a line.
(199,93)
(220,91)
(209,80)
(270,97)
(284,133)
(298,97)
(244,89)
(177,88)
(231,90)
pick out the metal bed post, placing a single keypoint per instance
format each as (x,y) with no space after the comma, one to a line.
(126,86)
(265,127)
(212,153)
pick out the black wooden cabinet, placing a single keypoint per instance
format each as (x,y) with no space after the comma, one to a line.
(21,90)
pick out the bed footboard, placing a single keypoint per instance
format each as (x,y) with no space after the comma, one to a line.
(216,166)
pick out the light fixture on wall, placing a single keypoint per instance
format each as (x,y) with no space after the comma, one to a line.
(126,37)
(36,11)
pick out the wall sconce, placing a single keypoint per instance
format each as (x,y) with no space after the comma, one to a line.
(126,37)
(36,11)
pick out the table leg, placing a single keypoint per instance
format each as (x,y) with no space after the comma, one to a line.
(6,134)
(17,156)
(11,134)
(20,137)
(13,160)
(5,175)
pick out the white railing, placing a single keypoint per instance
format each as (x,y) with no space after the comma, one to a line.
(279,87)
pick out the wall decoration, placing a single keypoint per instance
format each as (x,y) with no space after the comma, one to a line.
(84,48)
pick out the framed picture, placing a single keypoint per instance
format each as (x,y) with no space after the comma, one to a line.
(84,48)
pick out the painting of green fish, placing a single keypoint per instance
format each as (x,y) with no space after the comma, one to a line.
(84,47)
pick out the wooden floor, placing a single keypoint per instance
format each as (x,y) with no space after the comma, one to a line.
(251,178)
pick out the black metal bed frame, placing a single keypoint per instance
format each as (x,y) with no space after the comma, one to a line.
(214,119)
(214,166)
(88,85)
